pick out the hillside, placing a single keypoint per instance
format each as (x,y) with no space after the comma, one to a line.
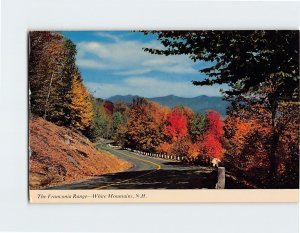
(59,155)
(197,104)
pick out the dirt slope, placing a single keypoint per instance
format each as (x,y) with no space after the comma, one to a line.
(59,155)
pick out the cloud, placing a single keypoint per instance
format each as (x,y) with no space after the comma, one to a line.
(108,35)
(151,87)
(132,72)
(126,57)
(87,63)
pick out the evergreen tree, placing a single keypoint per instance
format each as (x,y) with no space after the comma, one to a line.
(117,120)
(197,127)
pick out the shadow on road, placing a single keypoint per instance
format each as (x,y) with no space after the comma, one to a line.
(154,179)
(176,163)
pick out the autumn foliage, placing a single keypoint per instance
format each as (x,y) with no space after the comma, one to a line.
(57,90)
(249,139)
(178,131)
(58,95)
(176,125)
(81,106)
(259,138)
(109,107)
(211,146)
(145,125)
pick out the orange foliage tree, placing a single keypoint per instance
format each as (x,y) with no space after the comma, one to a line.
(145,125)
(81,106)
(249,136)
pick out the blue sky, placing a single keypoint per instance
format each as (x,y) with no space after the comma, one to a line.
(114,63)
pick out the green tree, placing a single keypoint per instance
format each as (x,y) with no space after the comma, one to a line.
(123,108)
(197,127)
(117,120)
(101,122)
(94,132)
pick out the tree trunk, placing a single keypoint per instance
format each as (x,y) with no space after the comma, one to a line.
(48,95)
(273,147)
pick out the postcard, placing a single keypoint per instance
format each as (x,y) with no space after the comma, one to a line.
(163,116)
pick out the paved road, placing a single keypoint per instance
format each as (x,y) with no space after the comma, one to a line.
(151,173)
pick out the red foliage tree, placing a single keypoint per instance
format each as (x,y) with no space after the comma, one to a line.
(109,107)
(177,125)
(215,124)
(211,146)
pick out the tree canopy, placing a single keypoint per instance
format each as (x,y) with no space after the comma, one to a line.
(245,60)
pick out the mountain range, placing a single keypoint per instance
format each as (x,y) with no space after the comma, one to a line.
(198,104)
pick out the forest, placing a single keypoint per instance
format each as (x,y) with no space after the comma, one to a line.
(258,138)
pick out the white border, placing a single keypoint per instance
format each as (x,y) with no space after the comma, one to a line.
(19,16)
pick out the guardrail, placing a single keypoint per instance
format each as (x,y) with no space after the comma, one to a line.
(157,155)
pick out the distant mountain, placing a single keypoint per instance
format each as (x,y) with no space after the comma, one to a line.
(197,104)
(125,98)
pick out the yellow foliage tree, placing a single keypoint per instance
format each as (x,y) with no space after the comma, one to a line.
(81,106)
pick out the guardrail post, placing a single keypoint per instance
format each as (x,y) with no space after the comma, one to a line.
(221,178)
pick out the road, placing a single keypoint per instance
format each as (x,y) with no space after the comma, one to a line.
(151,173)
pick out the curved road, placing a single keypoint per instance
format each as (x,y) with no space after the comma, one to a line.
(151,173)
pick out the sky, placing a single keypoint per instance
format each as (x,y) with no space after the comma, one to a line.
(114,63)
